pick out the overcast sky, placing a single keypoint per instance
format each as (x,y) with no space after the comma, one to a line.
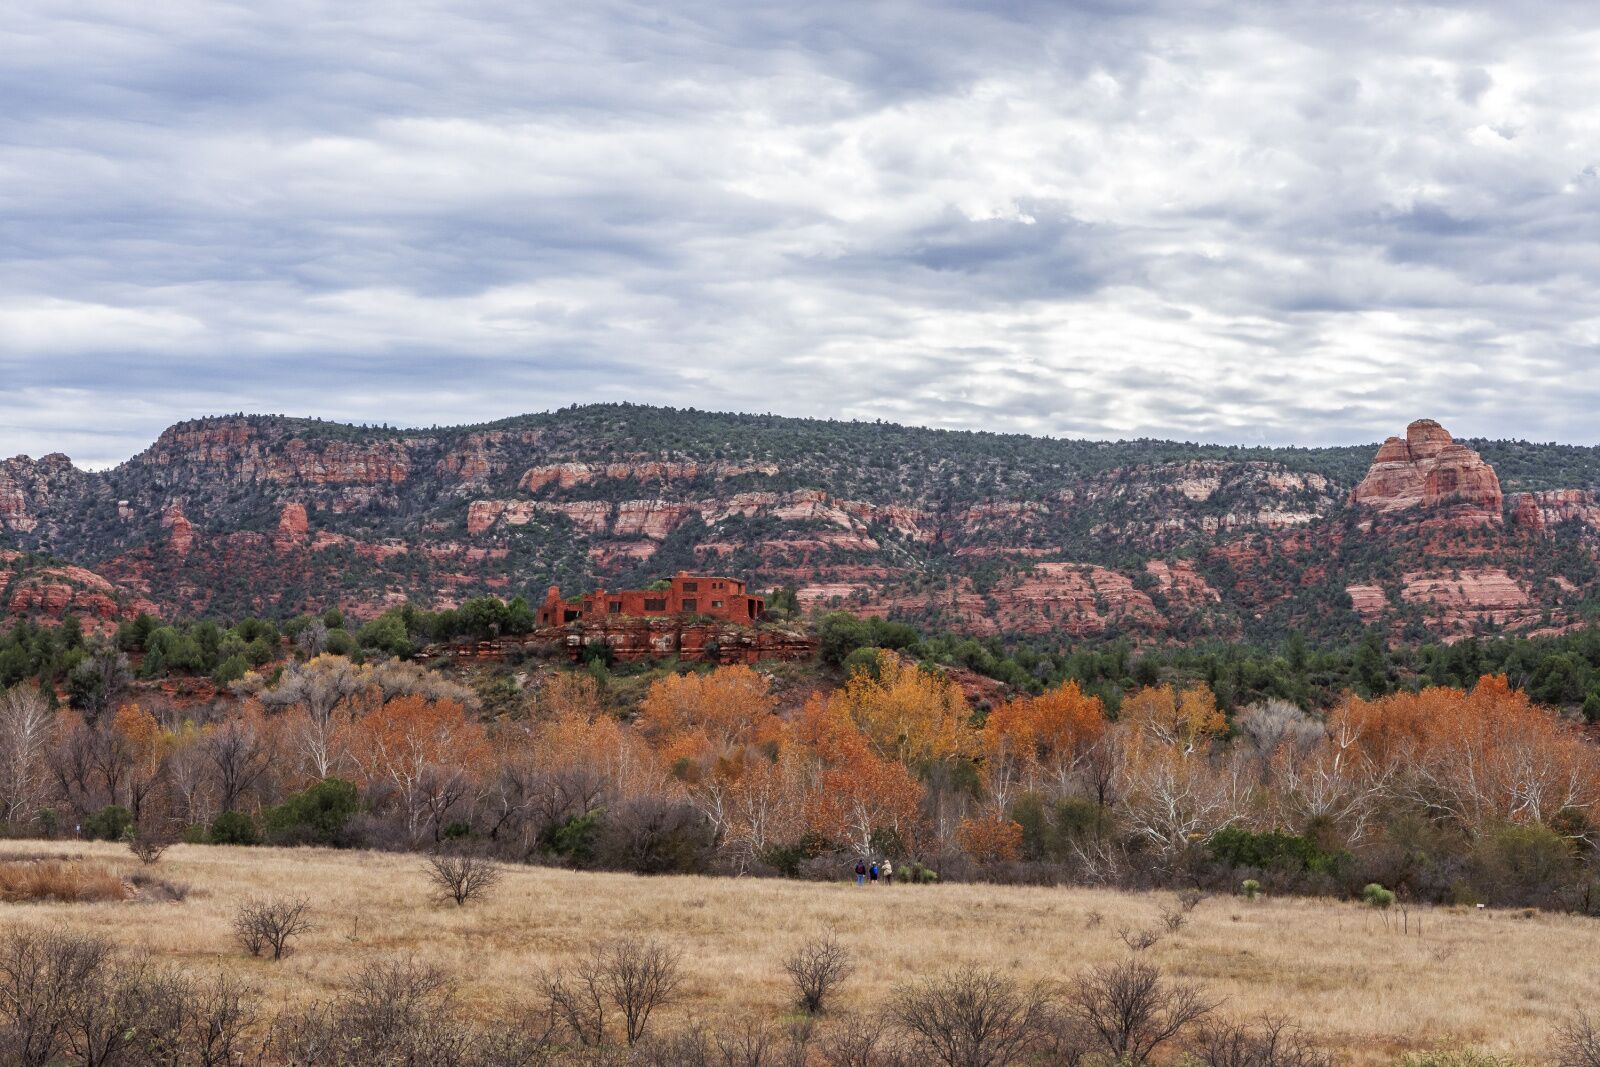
(1275,222)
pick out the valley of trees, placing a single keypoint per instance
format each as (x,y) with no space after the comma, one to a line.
(1442,773)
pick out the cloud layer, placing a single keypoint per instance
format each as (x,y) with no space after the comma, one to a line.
(1285,222)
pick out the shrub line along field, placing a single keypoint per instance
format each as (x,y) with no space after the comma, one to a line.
(1347,974)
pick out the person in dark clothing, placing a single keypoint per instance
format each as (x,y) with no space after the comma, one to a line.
(874,872)
(861,873)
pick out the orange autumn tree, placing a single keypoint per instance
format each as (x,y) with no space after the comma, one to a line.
(718,733)
(692,714)
(1480,757)
(1035,744)
(599,745)
(144,747)
(990,838)
(856,794)
(427,750)
(575,693)
(863,799)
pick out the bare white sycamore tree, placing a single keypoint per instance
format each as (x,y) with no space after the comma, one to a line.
(25,724)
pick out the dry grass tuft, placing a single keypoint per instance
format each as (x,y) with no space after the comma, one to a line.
(65,882)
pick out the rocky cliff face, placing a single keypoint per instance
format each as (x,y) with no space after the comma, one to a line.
(1154,540)
(1428,473)
(1542,511)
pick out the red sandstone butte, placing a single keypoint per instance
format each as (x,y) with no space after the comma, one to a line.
(1427,469)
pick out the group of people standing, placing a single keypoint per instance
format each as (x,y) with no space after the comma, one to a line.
(872,871)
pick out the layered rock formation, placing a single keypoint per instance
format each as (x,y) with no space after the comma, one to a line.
(988,533)
(1428,471)
(1541,511)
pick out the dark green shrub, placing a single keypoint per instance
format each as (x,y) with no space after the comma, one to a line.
(1273,850)
(110,823)
(576,839)
(787,858)
(862,661)
(233,828)
(230,670)
(340,643)
(1523,865)
(317,815)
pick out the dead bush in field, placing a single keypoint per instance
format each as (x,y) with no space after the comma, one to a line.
(149,842)
(1139,940)
(55,880)
(971,1018)
(1266,1042)
(690,1047)
(634,978)
(860,1041)
(148,887)
(1578,1041)
(401,1012)
(639,978)
(220,1028)
(747,1043)
(462,876)
(817,968)
(74,998)
(267,926)
(577,1001)
(42,976)
(1132,1010)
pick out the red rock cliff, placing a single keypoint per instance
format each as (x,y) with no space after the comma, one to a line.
(1428,470)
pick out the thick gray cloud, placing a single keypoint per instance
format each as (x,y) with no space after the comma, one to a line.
(1279,222)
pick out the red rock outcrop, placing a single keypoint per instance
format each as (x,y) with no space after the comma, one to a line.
(29,487)
(593,517)
(1181,584)
(653,519)
(1368,601)
(294,529)
(910,523)
(1078,599)
(1460,600)
(238,447)
(53,592)
(1539,511)
(180,531)
(1428,470)
(567,475)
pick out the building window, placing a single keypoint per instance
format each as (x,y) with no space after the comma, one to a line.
(571,615)
(655,605)
(615,607)
(716,603)
(691,605)
(691,587)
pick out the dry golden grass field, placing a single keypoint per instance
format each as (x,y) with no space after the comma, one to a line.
(1497,980)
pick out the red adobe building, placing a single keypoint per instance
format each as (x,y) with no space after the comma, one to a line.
(688,594)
